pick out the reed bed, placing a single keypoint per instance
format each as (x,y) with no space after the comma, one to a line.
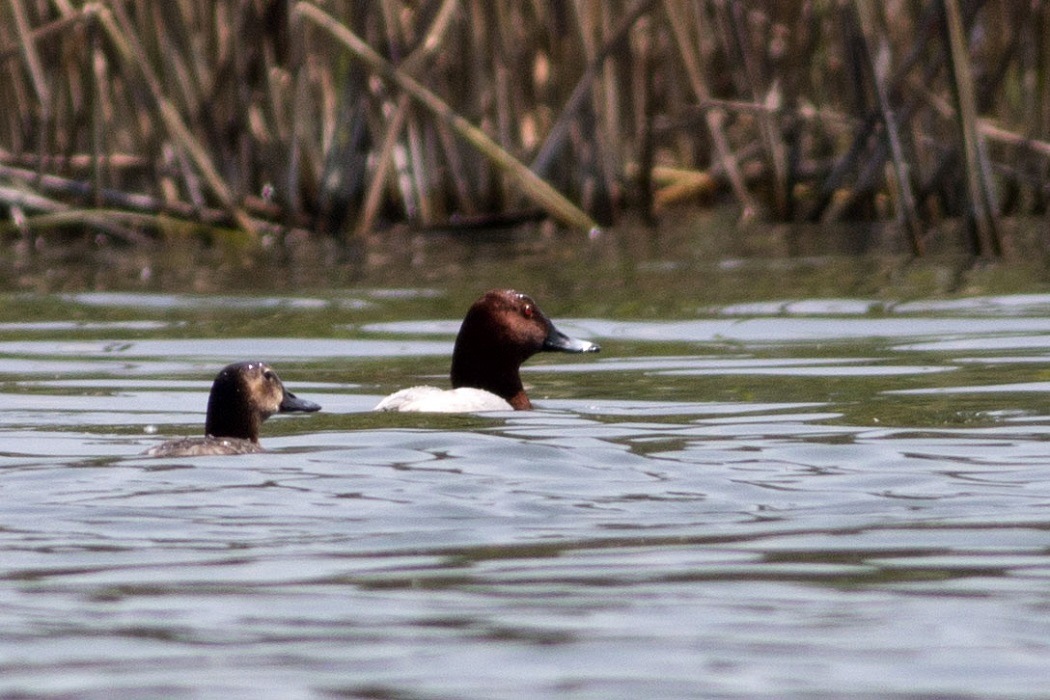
(335,118)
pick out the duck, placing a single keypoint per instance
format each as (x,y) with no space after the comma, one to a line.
(501,330)
(243,395)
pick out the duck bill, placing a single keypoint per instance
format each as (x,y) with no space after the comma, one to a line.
(292,403)
(559,342)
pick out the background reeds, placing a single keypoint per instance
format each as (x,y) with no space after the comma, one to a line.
(334,117)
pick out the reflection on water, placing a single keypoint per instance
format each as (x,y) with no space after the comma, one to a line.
(791,499)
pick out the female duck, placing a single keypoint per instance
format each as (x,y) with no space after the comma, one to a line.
(243,395)
(501,330)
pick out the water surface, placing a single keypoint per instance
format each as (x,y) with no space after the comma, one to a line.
(800,496)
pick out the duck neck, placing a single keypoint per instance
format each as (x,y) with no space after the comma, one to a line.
(520,401)
(479,371)
(225,423)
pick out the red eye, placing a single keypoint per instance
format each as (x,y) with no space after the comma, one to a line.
(527,311)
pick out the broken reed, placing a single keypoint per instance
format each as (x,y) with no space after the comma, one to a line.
(270,115)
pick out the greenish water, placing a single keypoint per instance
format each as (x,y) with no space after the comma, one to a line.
(784,476)
(701,259)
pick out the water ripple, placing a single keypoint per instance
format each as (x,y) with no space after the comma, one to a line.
(780,501)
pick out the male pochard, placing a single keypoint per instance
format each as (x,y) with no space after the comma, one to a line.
(501,330)
(243,395)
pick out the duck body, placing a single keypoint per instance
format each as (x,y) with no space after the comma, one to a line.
(501,330)
(204,446)
(431,399)
(242,396)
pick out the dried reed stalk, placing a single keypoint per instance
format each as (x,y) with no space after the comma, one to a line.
(919,113)
(877,72)
(982,200)
(132,54)
(544,195)
(680,21)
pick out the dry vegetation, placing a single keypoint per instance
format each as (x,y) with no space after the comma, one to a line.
(331,116)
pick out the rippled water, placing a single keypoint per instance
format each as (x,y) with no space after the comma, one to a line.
(811,498)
